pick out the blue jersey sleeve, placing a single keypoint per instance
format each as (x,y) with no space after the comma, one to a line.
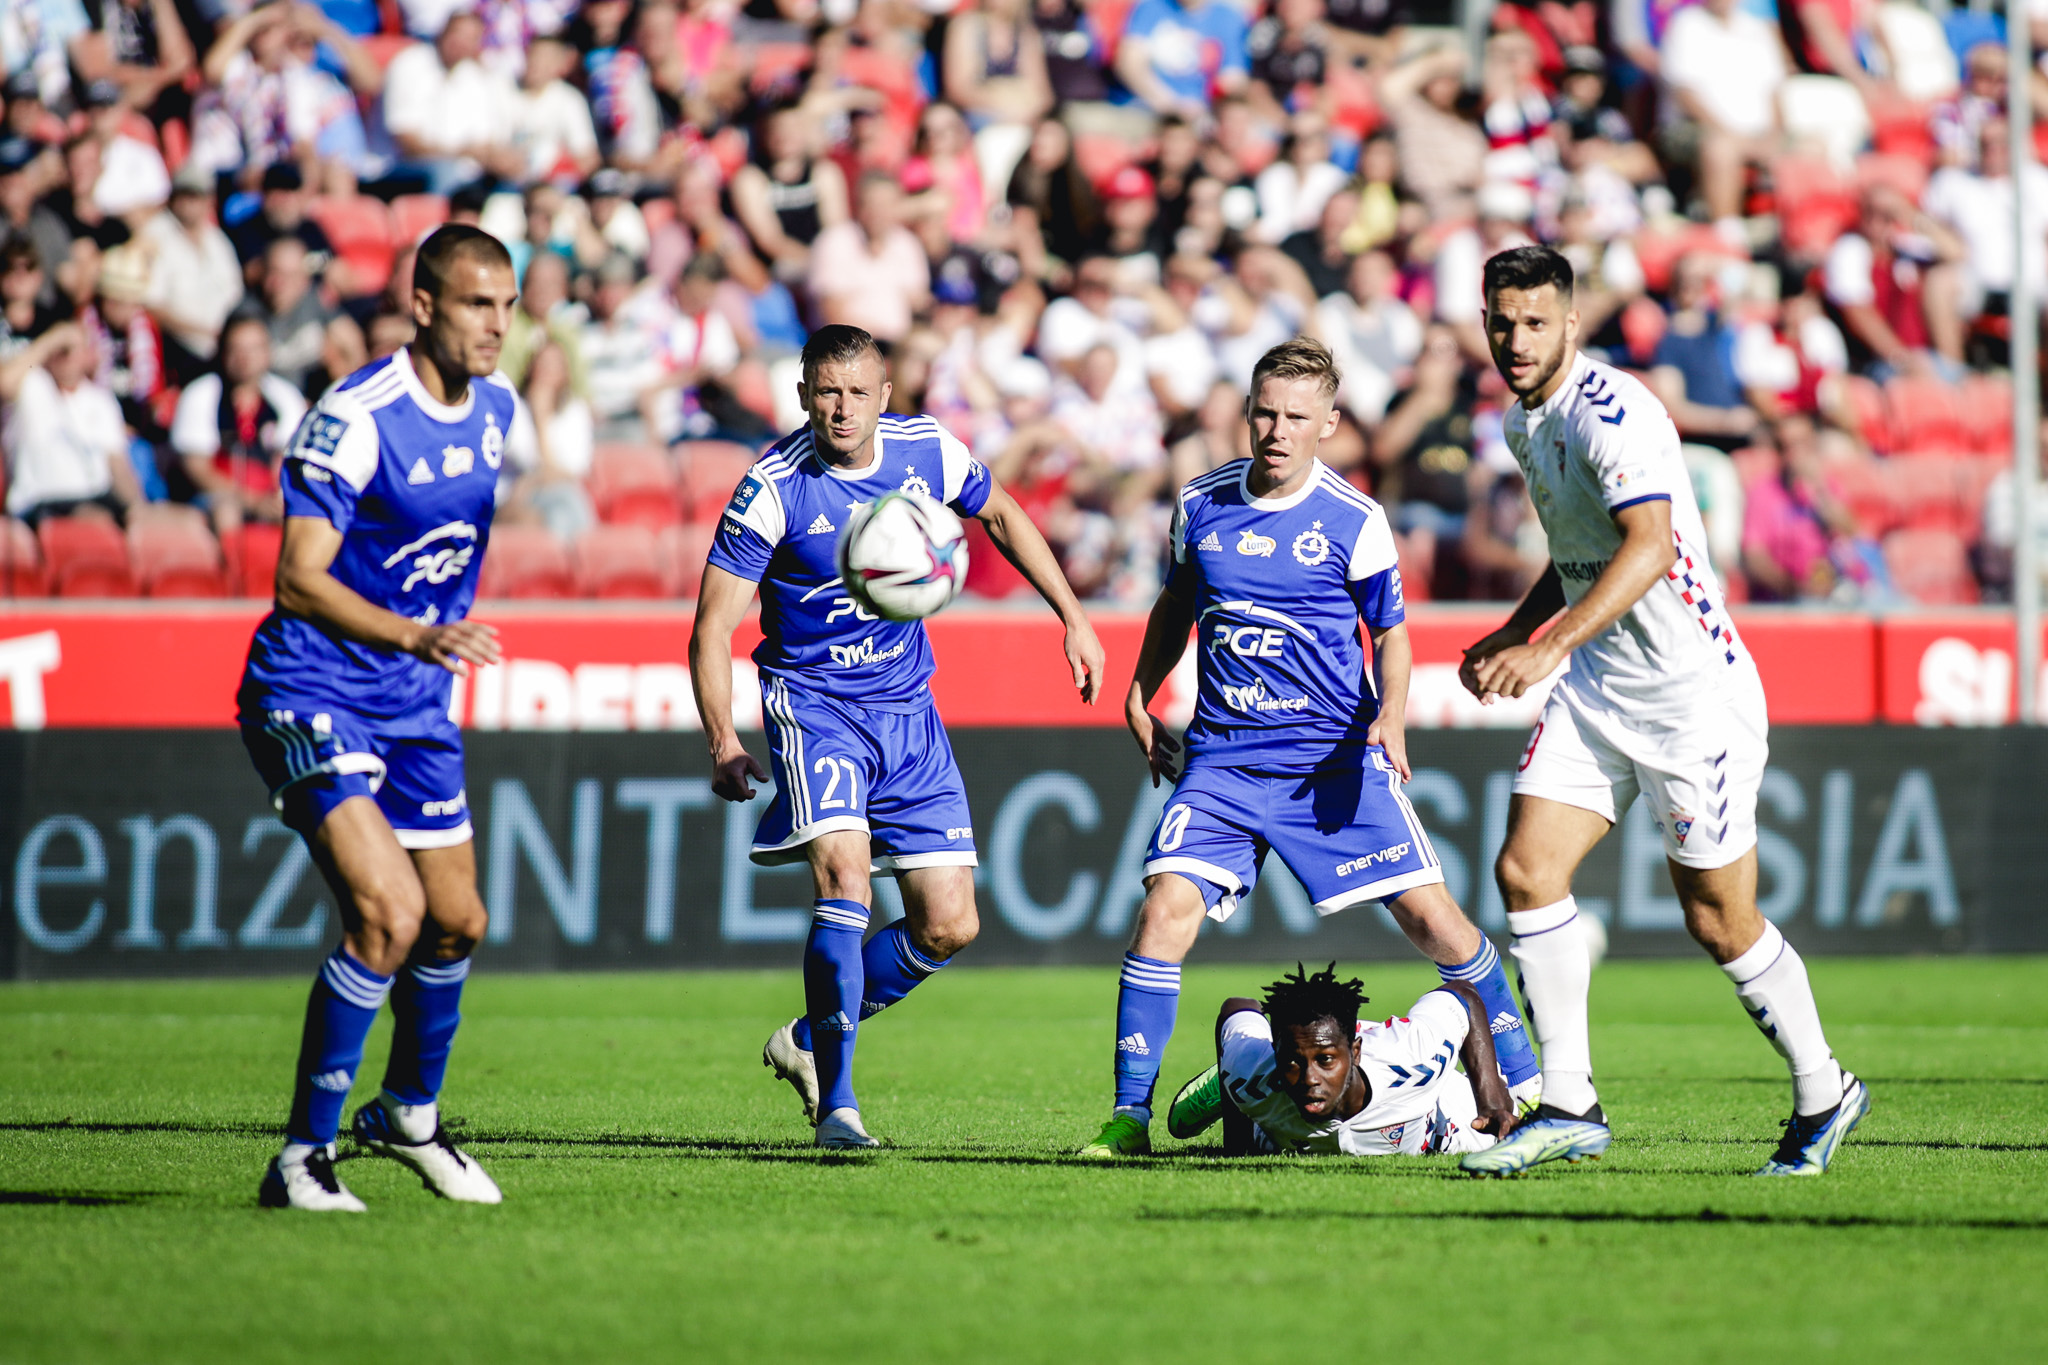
(313,491)
(1379,599)
(751,528)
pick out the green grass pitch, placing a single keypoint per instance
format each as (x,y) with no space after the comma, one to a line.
(661,1205)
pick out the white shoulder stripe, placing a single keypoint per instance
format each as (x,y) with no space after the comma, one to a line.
(1344,492)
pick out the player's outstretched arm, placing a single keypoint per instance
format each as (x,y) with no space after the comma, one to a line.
(1393,659)
(1482,1068)
(1166,639)
(1646,555)
(721,602)
(306,588)
(1543,601)
(1014,534)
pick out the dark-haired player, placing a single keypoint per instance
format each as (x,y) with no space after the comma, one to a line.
(1298,746)
(388,489)
(1302,1073)
(1662,700)
(864,776)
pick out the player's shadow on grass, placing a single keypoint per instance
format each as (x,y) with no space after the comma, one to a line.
(1705,1215)
(77,1198)
(268,1130)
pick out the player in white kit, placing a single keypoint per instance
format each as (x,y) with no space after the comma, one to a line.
(1301,1072)
(1661,700)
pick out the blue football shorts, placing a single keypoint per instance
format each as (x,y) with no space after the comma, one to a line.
(1347,833)
(411,766)
(840,765)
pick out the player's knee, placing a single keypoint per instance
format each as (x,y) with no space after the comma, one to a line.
(947,934)
(459,928)
(1519,878)
(393,905)
(843,879)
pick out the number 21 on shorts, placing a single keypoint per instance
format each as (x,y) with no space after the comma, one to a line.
(838,772)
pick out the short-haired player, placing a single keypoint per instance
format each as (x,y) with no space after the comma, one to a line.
(1301,1072)
(864,776)
(1294,749)
(1662,700)
(388,488)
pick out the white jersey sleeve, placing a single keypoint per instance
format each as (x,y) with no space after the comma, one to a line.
(1373,552)
(1633,455)
(340,436)
(757,505)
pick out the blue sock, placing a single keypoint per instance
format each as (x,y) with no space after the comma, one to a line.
(344,1003)
(426,1005)
(1146,1003)
(832,991)
(893,966)
(1510,1038)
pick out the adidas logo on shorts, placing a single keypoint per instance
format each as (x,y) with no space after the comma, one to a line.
(821,527)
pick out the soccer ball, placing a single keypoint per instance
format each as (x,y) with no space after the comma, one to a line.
(903,556)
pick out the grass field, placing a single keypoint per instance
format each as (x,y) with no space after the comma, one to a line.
(661,1205)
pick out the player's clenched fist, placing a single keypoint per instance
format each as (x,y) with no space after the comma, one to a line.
(729,776)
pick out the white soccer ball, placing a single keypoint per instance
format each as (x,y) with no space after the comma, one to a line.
(903,556)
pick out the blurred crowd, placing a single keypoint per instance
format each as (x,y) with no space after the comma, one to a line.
(1074,224)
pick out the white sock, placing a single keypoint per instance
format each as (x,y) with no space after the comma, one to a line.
(415,1122)
(1771,981)
(1550,954)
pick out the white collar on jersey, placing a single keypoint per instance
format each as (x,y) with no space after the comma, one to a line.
(1295,499)
(401,360)
(1557,399)
(866,471)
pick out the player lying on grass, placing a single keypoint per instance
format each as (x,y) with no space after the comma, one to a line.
(1298,746)
(864,776)
(388,490)
(1302,1073)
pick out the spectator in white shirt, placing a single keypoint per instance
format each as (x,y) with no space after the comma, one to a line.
(449,112)
(1372,333)
(232,426)
(1978,206)
(64,440)
(1293,190)
(1089,317)
(1722,67)
(551,125)
(195,279)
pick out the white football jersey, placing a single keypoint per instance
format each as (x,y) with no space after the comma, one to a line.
(1419,1102)
(1601,443)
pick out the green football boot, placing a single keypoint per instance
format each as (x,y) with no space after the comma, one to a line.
(1122,1136)
(1198,1105)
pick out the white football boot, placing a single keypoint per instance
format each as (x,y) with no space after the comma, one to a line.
(441,1166)
(791,1063)
(840,1130)
(303,1178)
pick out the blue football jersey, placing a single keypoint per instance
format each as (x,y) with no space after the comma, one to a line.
(781,530)
(410,484)
(1279,586)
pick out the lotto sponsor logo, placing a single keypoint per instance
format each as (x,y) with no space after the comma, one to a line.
(1135,1044)
(1581,570)
(456,461)
(864,654)
(1256,545)
(1385,855)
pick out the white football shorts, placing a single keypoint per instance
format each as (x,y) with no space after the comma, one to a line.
(1700,772)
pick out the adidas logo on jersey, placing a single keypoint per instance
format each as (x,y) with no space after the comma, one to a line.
(420,473)
(1133,1043)
(821,527)
(1211,544)
(1504,1023)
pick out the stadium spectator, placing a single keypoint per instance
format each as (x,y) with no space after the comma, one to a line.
(1372,333)
(125,339)
(271,101)
(552,130)
(1721,69)
(25,313)
(1977,206)
(621,355)
(870,270)
(543,316)
(994,68)
(1442,153)
(298,318)
(195,280)
(549,451)
(65,443)
(282,213)
(231,429)
(26,169)
(127,175)
(451,117)
(1693,370)
(1895,282)
(1294,189)
(1797,536)
(1426,449)
(786,195)
(142,47)
(1174,57)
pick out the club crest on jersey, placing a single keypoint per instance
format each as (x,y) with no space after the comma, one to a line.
(456,460)
(1312,547)
(914,483)
(1252,543)
(1393,1135)
(1681,825)
(493,441)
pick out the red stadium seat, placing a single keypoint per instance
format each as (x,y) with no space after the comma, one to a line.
(1931,567)
(382,47)
(710,472)
(413,216)
(87,557)
(360,229)
(620,562)
(1986,401)
(22,573)
(1974,477)
(634,485)
(1816,203)
(174,553)
(1902,173)
(1102,155)
(1864,486)
(1926,493)
(1924,414)
(1866,401)
(683,551)
(526,561)
(252,558)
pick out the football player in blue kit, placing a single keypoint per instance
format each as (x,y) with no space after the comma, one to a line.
(1276,560)
(864,776)
(388,489)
